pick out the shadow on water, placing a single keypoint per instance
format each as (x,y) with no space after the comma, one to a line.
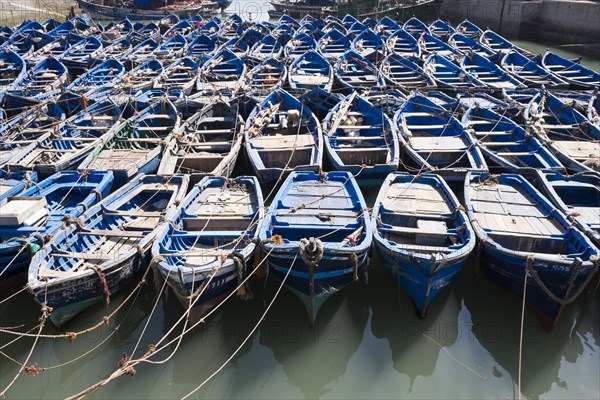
(496,323)
(314,357)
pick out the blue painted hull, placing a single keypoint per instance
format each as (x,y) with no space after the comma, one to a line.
(509,271)
(421,288)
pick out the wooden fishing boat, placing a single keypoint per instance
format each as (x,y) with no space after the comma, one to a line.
(170,50)
(402,43)
(356,29)
(282,135)
(499,45)
(469,29)
(467,45)
(354,72)
(182,28)
(433,140)
(102,74)
(448,75)
(30,219)
(97,10)
(140,53)
(403,73)
(178,78)
(369,45)
(268,47)
(441,30)
(568,133)
(333,44)
(79,57)
(90,261)
(387,100)
(23,43)
(13,183)
(299,45)
(523,236)
(467,100)
(506,144)
(139,79)
(360,139)
(201,46)
(310,71)
(422,234)
(135,146)
(530,72)
(70,141)
(207,143)
(481,68)
(118,49)
(12,68)
(578,76)
(224,70)
(320,101)
(206,249)
(46,76)
(430,44)
(416,27)
(266,77)
(577,196)
(318,227)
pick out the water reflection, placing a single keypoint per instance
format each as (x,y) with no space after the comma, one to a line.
(411,339)
(312,358)
(496,323)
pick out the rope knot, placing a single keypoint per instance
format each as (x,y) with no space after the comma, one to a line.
(32,370)
(311,251)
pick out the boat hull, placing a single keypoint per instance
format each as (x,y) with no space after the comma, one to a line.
(97,11)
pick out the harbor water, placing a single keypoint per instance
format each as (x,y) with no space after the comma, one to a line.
(367,342)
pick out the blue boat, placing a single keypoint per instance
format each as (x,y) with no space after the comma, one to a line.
(27,42)
(430,44)
(139,54)
(333,44)
(90,261)
(360,139)
(12,68)
(181,28)
(282,135)
(79,57)
(448,75)
(298,45)
(55,49)
(117,49)
(206,249)
(506,144)
(578,76)
(481,68)
(499,45)
(100,75)
(136,145)
(13,183)
(222,71)
(385,27)
(467,45)
(170,50)
(310,71)
(30,219)
(70,141)
(46,76)
(354,72)
(433,140)
(469,29)
(207,143)
(320,101)
(318,230)
(530,72)
(567,132)
(422,234)
(416,27)
(577,196)
(442,30)
(267,47)
(266,77)
(402,43)
(179,78)
(404,73)
(201,47)
(369,45)
(139,79)
(387,100)
(526,241)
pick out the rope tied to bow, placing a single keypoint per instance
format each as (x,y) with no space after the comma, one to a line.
(243,291)
(311,251)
